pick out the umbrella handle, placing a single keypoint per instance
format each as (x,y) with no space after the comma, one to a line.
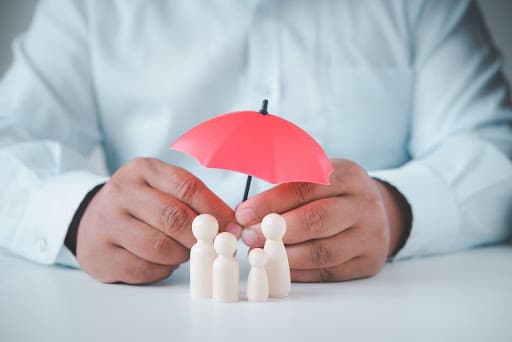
(263,111)
(247,187)
(264,107)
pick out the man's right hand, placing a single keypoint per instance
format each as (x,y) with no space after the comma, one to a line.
(137,228)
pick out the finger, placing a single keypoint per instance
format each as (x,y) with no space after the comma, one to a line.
(187,188)
(163,212)
(314,220)
(327,252)
(128,268)
(288,196)
(149,243)
(253,237)
(356,268)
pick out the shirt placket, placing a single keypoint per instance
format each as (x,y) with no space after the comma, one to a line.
(264,55)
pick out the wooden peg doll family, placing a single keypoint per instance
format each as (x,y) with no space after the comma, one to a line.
(214,272)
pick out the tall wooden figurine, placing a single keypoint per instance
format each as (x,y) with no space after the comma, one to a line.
(273,228)
(202,255)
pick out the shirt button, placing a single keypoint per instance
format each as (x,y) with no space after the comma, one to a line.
(41,244)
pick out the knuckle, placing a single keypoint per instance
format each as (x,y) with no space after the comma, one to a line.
(161,245)
(142,270)
(373,202)
(113,187)
(151,165)
(374,266)
(173,220)
(339,180)
(136,163)
(328,275)
(140,163)
(132,170)
(315,220)
(320,255)
(354,170)
(303,191)
(187,188)
(338,177)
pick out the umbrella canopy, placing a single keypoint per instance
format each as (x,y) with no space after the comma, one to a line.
(258,144)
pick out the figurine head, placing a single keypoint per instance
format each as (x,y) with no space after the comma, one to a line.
(225,244)
(205,227)
(273,226)
(257,257)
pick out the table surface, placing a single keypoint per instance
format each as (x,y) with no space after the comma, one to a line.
(463,296)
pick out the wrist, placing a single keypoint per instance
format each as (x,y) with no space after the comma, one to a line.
(70,240)
(399,215)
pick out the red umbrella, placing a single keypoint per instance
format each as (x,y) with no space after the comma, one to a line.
(258,144)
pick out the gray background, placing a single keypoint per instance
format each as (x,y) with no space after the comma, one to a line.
(15,16)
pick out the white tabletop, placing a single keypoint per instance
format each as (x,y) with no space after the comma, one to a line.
(459,297)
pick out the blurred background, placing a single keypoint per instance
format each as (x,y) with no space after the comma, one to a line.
(15,16)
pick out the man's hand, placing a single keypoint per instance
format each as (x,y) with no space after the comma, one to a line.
(338,232)
(137,228)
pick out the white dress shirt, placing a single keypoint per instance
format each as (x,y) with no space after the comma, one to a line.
(411,90)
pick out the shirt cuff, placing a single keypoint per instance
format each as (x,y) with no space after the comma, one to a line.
(66,258)
(47,217)
(435,213)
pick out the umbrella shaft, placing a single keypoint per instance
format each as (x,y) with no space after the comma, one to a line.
(247,187)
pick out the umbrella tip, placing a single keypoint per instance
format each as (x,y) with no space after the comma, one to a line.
(264,107)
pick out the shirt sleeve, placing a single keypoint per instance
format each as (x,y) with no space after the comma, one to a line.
(48,128)
(459,180)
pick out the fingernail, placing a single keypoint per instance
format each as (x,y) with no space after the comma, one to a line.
(249,237)
(234,229)
(245,215)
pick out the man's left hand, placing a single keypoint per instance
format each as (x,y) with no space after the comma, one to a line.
(341,231)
